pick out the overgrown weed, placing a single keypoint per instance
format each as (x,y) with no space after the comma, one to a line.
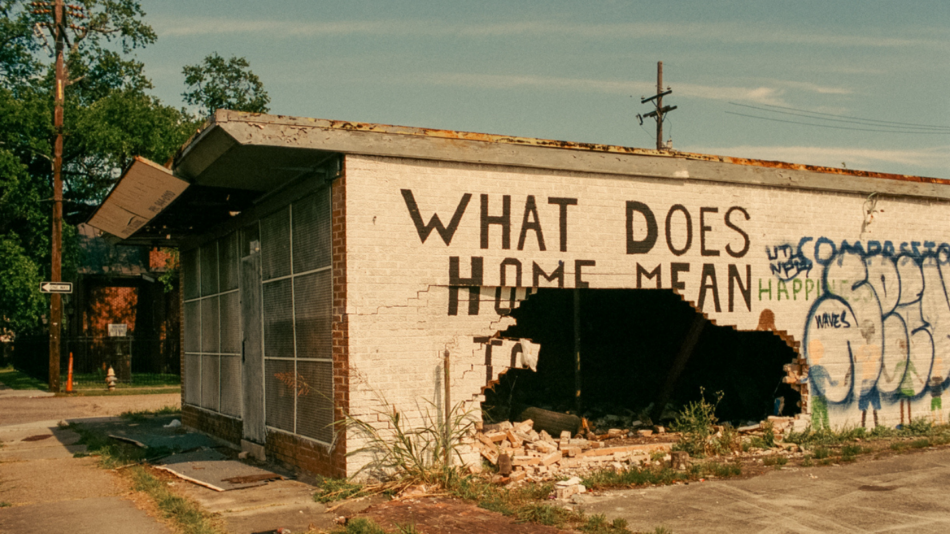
(695,422)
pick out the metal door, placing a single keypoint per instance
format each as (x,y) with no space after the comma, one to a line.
(252,353)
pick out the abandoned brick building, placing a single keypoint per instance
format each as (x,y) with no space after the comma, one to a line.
(332,268)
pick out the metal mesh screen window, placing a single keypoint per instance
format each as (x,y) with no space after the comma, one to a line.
(210,342)
(189,273)
(208,258)
(192,327)
(231,385)
(192,379)
(250,234)
(297,317)
(228,262)
(278,319)
(210,383)
(312,314)
(279,393)
(212,326)
(275,245)
(311,232)
(314,400)
(230,323)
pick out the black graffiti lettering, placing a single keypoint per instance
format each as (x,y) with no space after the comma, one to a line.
(709,282)
(702,232)
(745,290)
(650,275)
(531,211)
(832,320)
(537,273)
(675,270)
(578,265)
(644,245)
(503,220)
(446,233)
(504,271)
(562,204)
(689,229)
(473,283)
(745,247)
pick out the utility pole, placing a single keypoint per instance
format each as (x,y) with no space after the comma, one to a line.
(58,29)
(658,103)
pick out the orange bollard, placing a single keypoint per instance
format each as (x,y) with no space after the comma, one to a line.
(69,376)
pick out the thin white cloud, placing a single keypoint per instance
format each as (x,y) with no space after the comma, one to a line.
(719,32)
(852,157)
(760,95)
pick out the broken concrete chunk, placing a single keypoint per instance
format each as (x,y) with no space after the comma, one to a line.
(616,433)
(550,458)
(644,433)
(525,460)
(517,476)
(496,436)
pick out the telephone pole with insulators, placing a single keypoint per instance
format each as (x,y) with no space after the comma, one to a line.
(660,110)
(60,13)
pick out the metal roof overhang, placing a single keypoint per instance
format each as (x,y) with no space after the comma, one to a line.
(238,158)
(214,179)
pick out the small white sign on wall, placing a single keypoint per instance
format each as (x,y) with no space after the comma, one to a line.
(118,330)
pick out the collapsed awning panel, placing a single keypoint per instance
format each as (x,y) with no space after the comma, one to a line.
(143,191)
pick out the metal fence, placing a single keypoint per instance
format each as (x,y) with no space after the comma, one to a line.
(137,362)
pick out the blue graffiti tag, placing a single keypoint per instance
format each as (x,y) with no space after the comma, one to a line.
(893,324)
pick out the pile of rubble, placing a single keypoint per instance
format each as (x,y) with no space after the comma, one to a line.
(521,453)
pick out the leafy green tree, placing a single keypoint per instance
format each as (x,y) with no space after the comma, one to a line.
(109,118)
(218,83)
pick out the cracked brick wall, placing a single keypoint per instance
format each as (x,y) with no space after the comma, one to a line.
(856,288)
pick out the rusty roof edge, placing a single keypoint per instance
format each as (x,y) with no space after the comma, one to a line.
(346,126)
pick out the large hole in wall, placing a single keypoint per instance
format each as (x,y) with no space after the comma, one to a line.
(630,339)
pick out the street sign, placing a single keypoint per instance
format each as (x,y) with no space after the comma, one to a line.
(118,330)
(56,287)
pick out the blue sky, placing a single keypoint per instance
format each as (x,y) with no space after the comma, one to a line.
(576,70)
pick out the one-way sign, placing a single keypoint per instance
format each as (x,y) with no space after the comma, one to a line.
(56,287)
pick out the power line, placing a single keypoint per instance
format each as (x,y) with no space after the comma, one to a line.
(862,119)
(855,120)
(834,127)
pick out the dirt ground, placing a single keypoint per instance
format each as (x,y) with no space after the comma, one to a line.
(436,515)
(44,407)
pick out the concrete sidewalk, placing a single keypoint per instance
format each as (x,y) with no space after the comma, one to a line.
(902,493)
(46,490)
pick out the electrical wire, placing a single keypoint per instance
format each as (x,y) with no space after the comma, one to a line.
(861,122)
(835,127)
(879,121)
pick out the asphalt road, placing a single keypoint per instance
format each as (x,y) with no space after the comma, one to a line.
(902,493)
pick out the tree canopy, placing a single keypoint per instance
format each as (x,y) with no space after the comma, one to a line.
(110,117)
(218,83)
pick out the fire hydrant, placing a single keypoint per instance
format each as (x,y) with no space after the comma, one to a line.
(110,379)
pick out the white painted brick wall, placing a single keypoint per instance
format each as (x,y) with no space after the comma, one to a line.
(398,297)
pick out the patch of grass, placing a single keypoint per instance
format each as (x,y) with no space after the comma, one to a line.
(899,446)
(189,517)
(15,379)
(920,443)
(335,489)
(853,450)
(598,524)
(806,461)
(97,380)
(103,392)
(5,504)
(918,427)
(775,460)
(821,453)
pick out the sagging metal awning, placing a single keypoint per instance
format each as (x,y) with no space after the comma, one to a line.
(141,194)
